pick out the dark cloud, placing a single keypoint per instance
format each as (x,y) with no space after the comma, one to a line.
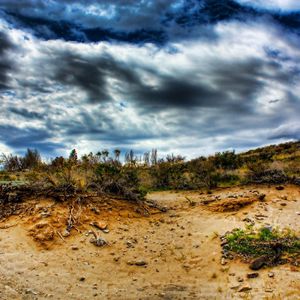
(22,138)
(6,64)
(209,80)
(133,21)
(23,112)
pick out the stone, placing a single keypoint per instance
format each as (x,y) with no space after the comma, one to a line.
(138,263)
(100,225)
(252,275)
(258,263)
(244,288)
(66,233)
(271,274)
(99,241)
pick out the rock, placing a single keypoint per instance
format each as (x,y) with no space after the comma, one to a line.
(258,263)
(223,261)
(99,241)
(267,290)
(45,214)
(271,274)
(235,286)
(244,288)
(279,188)
(240,279)
(252,275)
(95,210)
(283,204)
(261,197)
(100,225)
(116,259)
(224,242)
(66,233)
(138,263)
(74,247)
(30,291)
(82,279)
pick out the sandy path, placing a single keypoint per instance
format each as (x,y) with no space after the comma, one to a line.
(181,249)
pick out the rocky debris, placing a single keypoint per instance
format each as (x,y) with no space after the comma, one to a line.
(31,291)
(45,213)
(261,197)
(271,274)
(99,225)
(279,188)
(268,290)
(139,263)
(248,220)
(97,240)
(252,275)
(95,210)
(240,279)
(42,233)
(235,286)
(66,233)
(244,288)
(258,263)
(131,243)
(228,205)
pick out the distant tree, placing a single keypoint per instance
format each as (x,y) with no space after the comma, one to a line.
(31,159)
(130,158)
(58,162)
(105,154)
(154,157)
(146,158)
(11,162)
(73,156)
(117,153)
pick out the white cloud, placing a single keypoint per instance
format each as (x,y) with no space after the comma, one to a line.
(239,54)
(283,5)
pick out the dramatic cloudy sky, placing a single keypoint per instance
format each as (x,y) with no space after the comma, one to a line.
(185,76)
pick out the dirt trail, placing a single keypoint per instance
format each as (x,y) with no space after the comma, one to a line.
(178,252)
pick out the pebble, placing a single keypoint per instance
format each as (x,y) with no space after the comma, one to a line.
(271,274)
(252,275)
(244,288)
(138,263)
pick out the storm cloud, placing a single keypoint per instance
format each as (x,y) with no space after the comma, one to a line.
(190,77)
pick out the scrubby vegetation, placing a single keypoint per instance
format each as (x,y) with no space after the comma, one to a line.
(270,245)
(131,177)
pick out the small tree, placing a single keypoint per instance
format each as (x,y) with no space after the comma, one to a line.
(31,160)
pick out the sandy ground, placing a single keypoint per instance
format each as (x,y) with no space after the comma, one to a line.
(180,249)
